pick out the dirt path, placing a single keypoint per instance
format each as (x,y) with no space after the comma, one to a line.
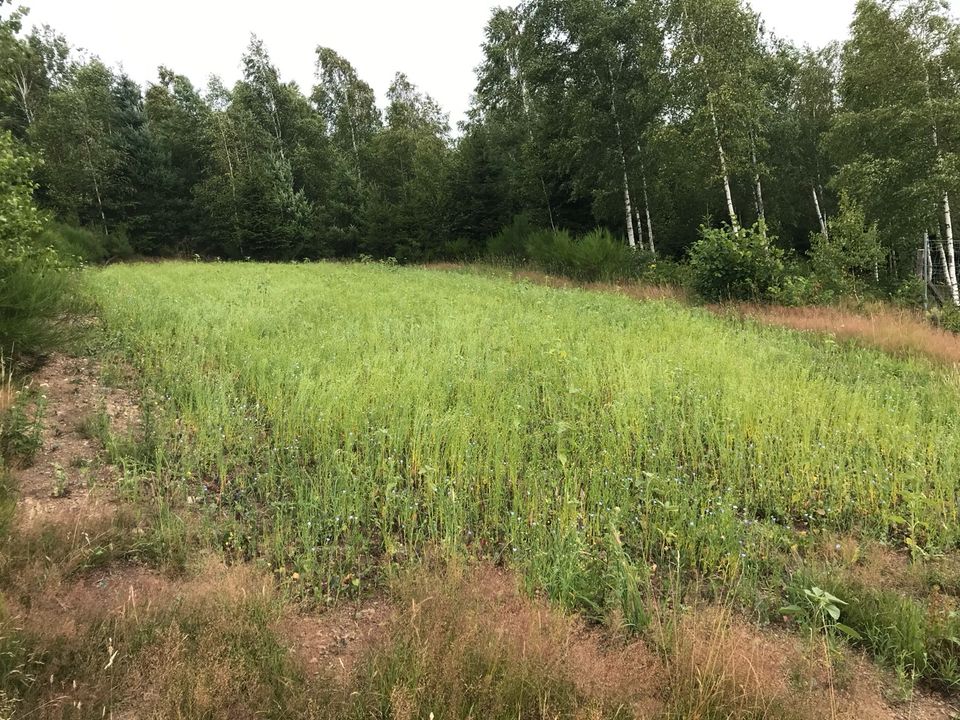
(67,483)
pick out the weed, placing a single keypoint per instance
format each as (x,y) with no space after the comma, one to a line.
(21,428)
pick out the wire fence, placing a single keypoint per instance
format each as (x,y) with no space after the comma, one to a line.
(931,267)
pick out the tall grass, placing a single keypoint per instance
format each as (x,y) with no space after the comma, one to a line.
(343,417)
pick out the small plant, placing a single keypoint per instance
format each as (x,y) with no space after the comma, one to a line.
(822,611)
(21,436)
(61,483)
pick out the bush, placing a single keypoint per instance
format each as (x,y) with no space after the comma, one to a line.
(736,265)
(33,287)
(33,281)
(511,242)
(947,318)
(845,262)
(88,246)
(664,271)
(597,256)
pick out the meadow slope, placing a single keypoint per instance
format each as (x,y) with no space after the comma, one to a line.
(350,416)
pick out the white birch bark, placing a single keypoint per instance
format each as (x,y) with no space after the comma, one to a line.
(951,259)
(646,203)
(638,224)
(824,229)
(628,206)
(734,222)
(951,279)
(951,249)
(757,184)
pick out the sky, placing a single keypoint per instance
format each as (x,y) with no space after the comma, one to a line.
(435,42)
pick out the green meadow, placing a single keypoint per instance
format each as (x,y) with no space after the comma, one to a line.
(341,420)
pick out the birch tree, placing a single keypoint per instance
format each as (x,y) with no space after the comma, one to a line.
(716,50)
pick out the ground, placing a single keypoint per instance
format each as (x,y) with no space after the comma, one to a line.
(71,493)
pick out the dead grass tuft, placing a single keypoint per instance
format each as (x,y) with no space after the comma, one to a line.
(469,643)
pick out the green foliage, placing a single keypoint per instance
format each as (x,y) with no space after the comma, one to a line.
(822,610)
(948,318)
(84,245)
(33,281)
(511,242)
(728,264)
(21,429)
(920,643)
(596,256)
(844,263)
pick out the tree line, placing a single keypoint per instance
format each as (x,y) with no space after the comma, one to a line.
(650,118)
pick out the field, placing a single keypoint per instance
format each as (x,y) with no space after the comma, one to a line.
(353,417)
(357,490)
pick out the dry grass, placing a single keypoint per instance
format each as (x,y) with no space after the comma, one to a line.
(898,332)
(632,289)
(469,643)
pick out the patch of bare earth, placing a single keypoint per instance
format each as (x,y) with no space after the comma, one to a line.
(330,643)
(66,483)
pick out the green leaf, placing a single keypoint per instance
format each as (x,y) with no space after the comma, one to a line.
(849,631)
(791,610)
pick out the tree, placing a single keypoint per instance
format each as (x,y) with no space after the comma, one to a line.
(410,161)
(718,57)
(891,137)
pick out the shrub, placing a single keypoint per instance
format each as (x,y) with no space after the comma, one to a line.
(511,242)
(844,262)
(743,264)
(89,246)
(597,256)
(551,251)
(664,271)
(33,288)
(33,281)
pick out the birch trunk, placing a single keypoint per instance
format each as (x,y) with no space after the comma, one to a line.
(825,231)
(646,203)
(96,186)
(951,258)
(757,184)
(631,239)
(638,223)
(951,250)
(24,87)
(951,280)
(734,222)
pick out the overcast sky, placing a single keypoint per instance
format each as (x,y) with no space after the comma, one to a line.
(436,42)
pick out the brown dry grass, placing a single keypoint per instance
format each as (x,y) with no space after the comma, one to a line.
(469,641)
(898,332)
